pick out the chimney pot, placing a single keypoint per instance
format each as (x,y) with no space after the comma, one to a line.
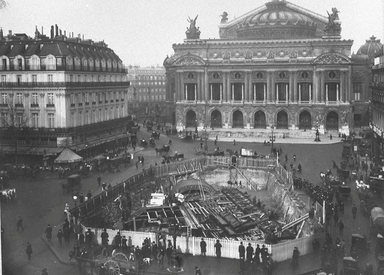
(57,30)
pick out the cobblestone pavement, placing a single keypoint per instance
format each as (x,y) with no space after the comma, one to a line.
(42,202)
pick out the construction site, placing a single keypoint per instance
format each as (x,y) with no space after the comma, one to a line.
(247,200)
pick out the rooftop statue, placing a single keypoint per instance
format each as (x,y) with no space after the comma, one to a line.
(192,32)
(224,18)
(334,26)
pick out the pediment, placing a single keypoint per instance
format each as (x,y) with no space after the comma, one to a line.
(332,58)
(189,60)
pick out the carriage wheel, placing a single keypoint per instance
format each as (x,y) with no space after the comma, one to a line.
(112,267)
(121,167)
(122,260)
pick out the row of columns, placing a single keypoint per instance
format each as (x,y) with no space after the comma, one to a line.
(318,91)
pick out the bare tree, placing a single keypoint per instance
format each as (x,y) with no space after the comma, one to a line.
(13,122)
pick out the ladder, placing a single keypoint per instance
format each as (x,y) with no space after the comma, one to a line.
(248,181)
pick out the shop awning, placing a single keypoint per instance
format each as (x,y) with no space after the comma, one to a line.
(68,156)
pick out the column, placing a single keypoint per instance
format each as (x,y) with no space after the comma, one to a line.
(299,93)
(242,92)
(277,92)
(342,79)
(268,98)
(221,93)
(195,92)
(337,92)
(224,84)
(181,93)
(246,88)
(321,86)
(273,86)
(310,93)
(250,85)
(254,92)
(286,94)
(326,93)
(210,88)
(206,84)
(295,96)
(348,85)
(232,92)
(186,92)
(291,87)
(315,81)
(265,93)
(229,87)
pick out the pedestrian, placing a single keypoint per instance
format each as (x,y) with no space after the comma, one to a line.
(28,250)
(354,211)
(330,136)
(234,142)
(294,157)
(104,237)
(89,195)
(241,251)
(99,180)
(201,145)
(295,257)
(203,247)
(19,224)
(88,237)
(117,240)
(168,252)
(286,158)
(249,253)
(66,234)
(299,168)
(264,253)
(154,250)
(335,218)
(104,186)
(257,254)
(137,165)
(81,198)
(60,236)
(160,256)
(142,160)
(44,271)
(215,142)
(197,271)
(291,166)
(218,249)
(341,227)
(48,232)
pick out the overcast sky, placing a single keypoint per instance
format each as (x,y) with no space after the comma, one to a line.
(142,32)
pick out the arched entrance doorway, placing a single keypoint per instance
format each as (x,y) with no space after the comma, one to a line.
(305,120)
(190,119)
(332,121)
(282,120)
(260,121)
(237,119)
(216,119)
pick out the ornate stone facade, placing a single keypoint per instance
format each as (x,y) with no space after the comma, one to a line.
(265,70)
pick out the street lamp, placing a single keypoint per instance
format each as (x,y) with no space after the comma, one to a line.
(74,197)
(272,138)
(317,138)
(196,126)
(366,166)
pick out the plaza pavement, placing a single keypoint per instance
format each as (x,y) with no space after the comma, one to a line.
(211,265)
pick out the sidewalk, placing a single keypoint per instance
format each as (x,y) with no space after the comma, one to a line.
(208,265)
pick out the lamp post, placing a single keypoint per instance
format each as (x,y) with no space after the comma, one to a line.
(272,138)
(317,138)
(74,197)
(196,126)
(366,166)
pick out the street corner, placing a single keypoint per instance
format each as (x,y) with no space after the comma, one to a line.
(61,252)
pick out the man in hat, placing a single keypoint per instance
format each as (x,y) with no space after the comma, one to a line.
(28,250)
(203,247)
(241,251)
(249,253)
(104,237)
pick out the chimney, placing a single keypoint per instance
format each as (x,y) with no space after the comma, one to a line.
(10,34)
(57,30)
(83,36)
(61,33)
(52,32)
(1,34)
(72,35)
(65,33)
(42,31)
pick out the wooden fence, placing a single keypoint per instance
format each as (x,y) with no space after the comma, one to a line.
(191,245)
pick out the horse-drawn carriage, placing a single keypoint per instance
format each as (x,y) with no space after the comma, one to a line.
(359,246)
(152,142)
(143,143)
(95,260)
(215,154)
(164,149)
(350,266)
(73,184)
(175,157)
(155,135)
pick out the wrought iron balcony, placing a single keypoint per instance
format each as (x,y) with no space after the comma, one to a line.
(62,84)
